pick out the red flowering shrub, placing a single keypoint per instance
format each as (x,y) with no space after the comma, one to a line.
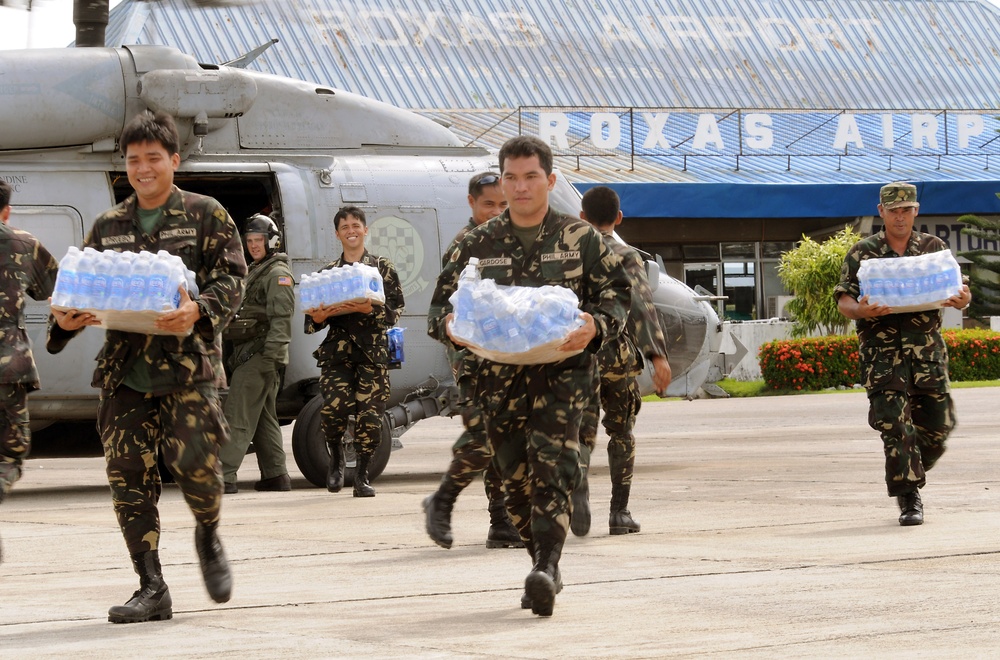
(973,354)
(818,363)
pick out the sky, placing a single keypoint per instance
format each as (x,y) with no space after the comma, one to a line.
(50,23)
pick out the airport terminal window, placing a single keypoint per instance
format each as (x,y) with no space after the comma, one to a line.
(739,250)
(774,249)
(708,252)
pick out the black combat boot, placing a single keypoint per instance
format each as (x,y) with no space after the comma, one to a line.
(579,517)
(502,532)
(335,473)
(280,483)
(544,581)
(437,509)
(361,486)
(620,521)
(214,565)
(911,509)
(151,602)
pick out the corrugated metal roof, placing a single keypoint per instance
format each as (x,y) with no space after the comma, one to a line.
(477,64)
(459,54)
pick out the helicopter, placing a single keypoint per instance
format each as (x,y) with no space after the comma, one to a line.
(297,151)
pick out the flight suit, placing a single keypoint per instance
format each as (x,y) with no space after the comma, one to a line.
(533,411)
(904,368)
(181,415)
(259,337)
(354,362)
(26,268)
(619,363)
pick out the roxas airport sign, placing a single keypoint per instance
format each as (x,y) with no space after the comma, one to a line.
(660,131)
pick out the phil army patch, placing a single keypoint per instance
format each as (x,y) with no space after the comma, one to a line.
(284,280)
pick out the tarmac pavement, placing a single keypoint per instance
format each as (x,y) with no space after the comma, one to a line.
(766,532)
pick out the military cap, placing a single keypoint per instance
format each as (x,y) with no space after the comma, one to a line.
(897,194)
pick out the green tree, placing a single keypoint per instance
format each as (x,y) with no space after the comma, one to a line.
(810,272)
(984,276)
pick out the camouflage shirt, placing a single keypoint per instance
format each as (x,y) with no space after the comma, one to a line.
(361,337)
(897,351)
(568,252)
(26,267)
(642,336)
(198,230)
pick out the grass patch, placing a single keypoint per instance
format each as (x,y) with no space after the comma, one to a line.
(739,388)
(975,383)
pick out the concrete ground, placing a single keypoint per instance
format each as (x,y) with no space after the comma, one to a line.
(766,532)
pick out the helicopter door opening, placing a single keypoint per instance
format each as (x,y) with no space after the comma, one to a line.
(241,194)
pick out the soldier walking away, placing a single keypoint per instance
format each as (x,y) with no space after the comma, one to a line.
(26,268)
(471,453)
(259,337)
(904,360)
(159,393)
(532,412)
(619,363)
(354,357)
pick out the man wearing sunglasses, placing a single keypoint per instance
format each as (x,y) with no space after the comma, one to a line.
(471,454)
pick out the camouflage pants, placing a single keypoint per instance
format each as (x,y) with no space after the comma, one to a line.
(620,398)
(914,429)
(15,434)
(360,389)
(470,456)
(250,411)
(188,428)
(534,430)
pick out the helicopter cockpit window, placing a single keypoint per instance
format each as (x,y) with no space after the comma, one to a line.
(564,197)
(56,227)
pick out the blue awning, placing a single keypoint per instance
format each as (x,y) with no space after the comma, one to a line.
(793,200)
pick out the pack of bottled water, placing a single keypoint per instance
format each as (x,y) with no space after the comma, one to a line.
(911,284)
(341,284)
(511,323)
(121,281)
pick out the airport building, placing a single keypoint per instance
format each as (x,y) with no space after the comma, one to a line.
(730,128)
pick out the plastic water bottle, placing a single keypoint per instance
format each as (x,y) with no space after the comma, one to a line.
(513,340)
(157,296)
(356,281)
(85,270)
(121,273)
(178,278)
(374,284)
(100,289)
(138,281)
(464,324)
(307,291)
(333,290)
(65,289)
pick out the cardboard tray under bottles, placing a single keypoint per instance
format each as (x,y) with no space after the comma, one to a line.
(542,354)
(143,323)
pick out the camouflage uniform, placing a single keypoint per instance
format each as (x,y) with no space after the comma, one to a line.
(471,454)
(354,363)
(181,415)
(620,362)
(259,337)
(26,267)
(533,412)
(904,367)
